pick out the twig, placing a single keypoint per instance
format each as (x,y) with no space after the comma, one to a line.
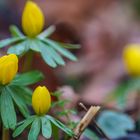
(85,121)
(95,124)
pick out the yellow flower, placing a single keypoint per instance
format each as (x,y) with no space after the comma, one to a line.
(41,100)
(8,68)
(131,57)
(32,19)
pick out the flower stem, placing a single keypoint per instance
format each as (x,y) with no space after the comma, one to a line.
(5,134)
(28,61)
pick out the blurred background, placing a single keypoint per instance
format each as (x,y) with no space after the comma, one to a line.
(102,28)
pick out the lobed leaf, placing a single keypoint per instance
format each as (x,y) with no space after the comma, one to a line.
(15,31)
(27,78)
(46,128)
(47,57)
(54,55)
(47,32)
(19,48)
(21,128)
(61,126)
(19,101)
(69,46)
(60,49)
(8,113)
(34,45)
(35,129)
(10,41)
(23,92)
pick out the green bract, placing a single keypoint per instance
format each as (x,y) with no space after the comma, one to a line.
(17,94)
(42,124)
(50,50)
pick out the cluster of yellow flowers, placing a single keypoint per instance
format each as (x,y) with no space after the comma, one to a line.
(12,86)
(32,24)
(41,99)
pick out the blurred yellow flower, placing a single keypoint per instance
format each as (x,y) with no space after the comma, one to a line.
(131,56)
(8,68)
(41,100)
(32,19)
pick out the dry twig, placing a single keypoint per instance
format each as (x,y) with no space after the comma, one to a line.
(85,121)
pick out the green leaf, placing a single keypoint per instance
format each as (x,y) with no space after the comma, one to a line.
(55,131)
(55,56)
(27,78)
(46,128)
(8,113)
(56,94)
(35,129)
(115,124)
(15,31)
(26,93)
(47,57)
(63,113)
(19,101)
(24,124)
(69,46)
(60,49)
(61,126)
(60,103)
(10,41)
(23,92)
(47,32)
(19,48)
(34,45)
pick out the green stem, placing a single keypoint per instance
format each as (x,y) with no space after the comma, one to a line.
(66,137)
(28,61)
(5,134)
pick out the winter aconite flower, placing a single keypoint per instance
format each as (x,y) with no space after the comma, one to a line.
(41,100)
(131,57)
(8,68)
(32,19)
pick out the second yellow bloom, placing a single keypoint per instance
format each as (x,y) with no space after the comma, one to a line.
(131,56)
(32,19)
(41,100)
(8,68)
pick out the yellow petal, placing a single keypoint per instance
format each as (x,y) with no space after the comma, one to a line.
(41,100)
(8,68)
(32,19)
(131,56)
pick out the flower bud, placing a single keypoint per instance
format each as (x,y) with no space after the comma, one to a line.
(41,100)
(131,56)
(8,68)
(32,19)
